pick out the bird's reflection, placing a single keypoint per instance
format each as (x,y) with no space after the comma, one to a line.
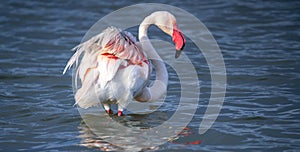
(91,140)
(98,132)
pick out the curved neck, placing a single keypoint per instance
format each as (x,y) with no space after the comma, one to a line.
(143,28)
(158,89)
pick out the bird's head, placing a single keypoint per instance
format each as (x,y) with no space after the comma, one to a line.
(167,23)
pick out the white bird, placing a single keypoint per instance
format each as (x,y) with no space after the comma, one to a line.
(116,68)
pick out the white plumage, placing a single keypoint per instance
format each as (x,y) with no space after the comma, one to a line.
(115,69)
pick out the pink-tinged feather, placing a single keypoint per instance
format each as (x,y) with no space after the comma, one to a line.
(114,67)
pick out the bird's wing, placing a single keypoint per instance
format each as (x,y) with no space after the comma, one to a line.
(103,55)
(112,43)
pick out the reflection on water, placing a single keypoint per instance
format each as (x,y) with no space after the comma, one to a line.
(132,132)
(92,139)
(101,133)
(259,41)
(89,139)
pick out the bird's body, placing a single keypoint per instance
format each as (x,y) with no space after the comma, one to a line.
(115,68)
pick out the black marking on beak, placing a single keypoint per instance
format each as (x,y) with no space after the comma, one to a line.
(177,54)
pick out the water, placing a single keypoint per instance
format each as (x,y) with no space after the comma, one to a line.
(259,42)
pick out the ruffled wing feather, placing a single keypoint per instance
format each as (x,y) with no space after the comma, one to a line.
(103,55)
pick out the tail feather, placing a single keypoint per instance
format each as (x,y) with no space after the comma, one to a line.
(73,59)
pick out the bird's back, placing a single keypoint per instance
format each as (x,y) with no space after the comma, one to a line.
(112,63)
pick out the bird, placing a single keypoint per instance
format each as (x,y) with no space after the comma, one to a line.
(115,68)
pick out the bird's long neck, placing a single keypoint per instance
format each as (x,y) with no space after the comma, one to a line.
(160,85)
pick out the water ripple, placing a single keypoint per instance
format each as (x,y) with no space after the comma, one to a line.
(259,42)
